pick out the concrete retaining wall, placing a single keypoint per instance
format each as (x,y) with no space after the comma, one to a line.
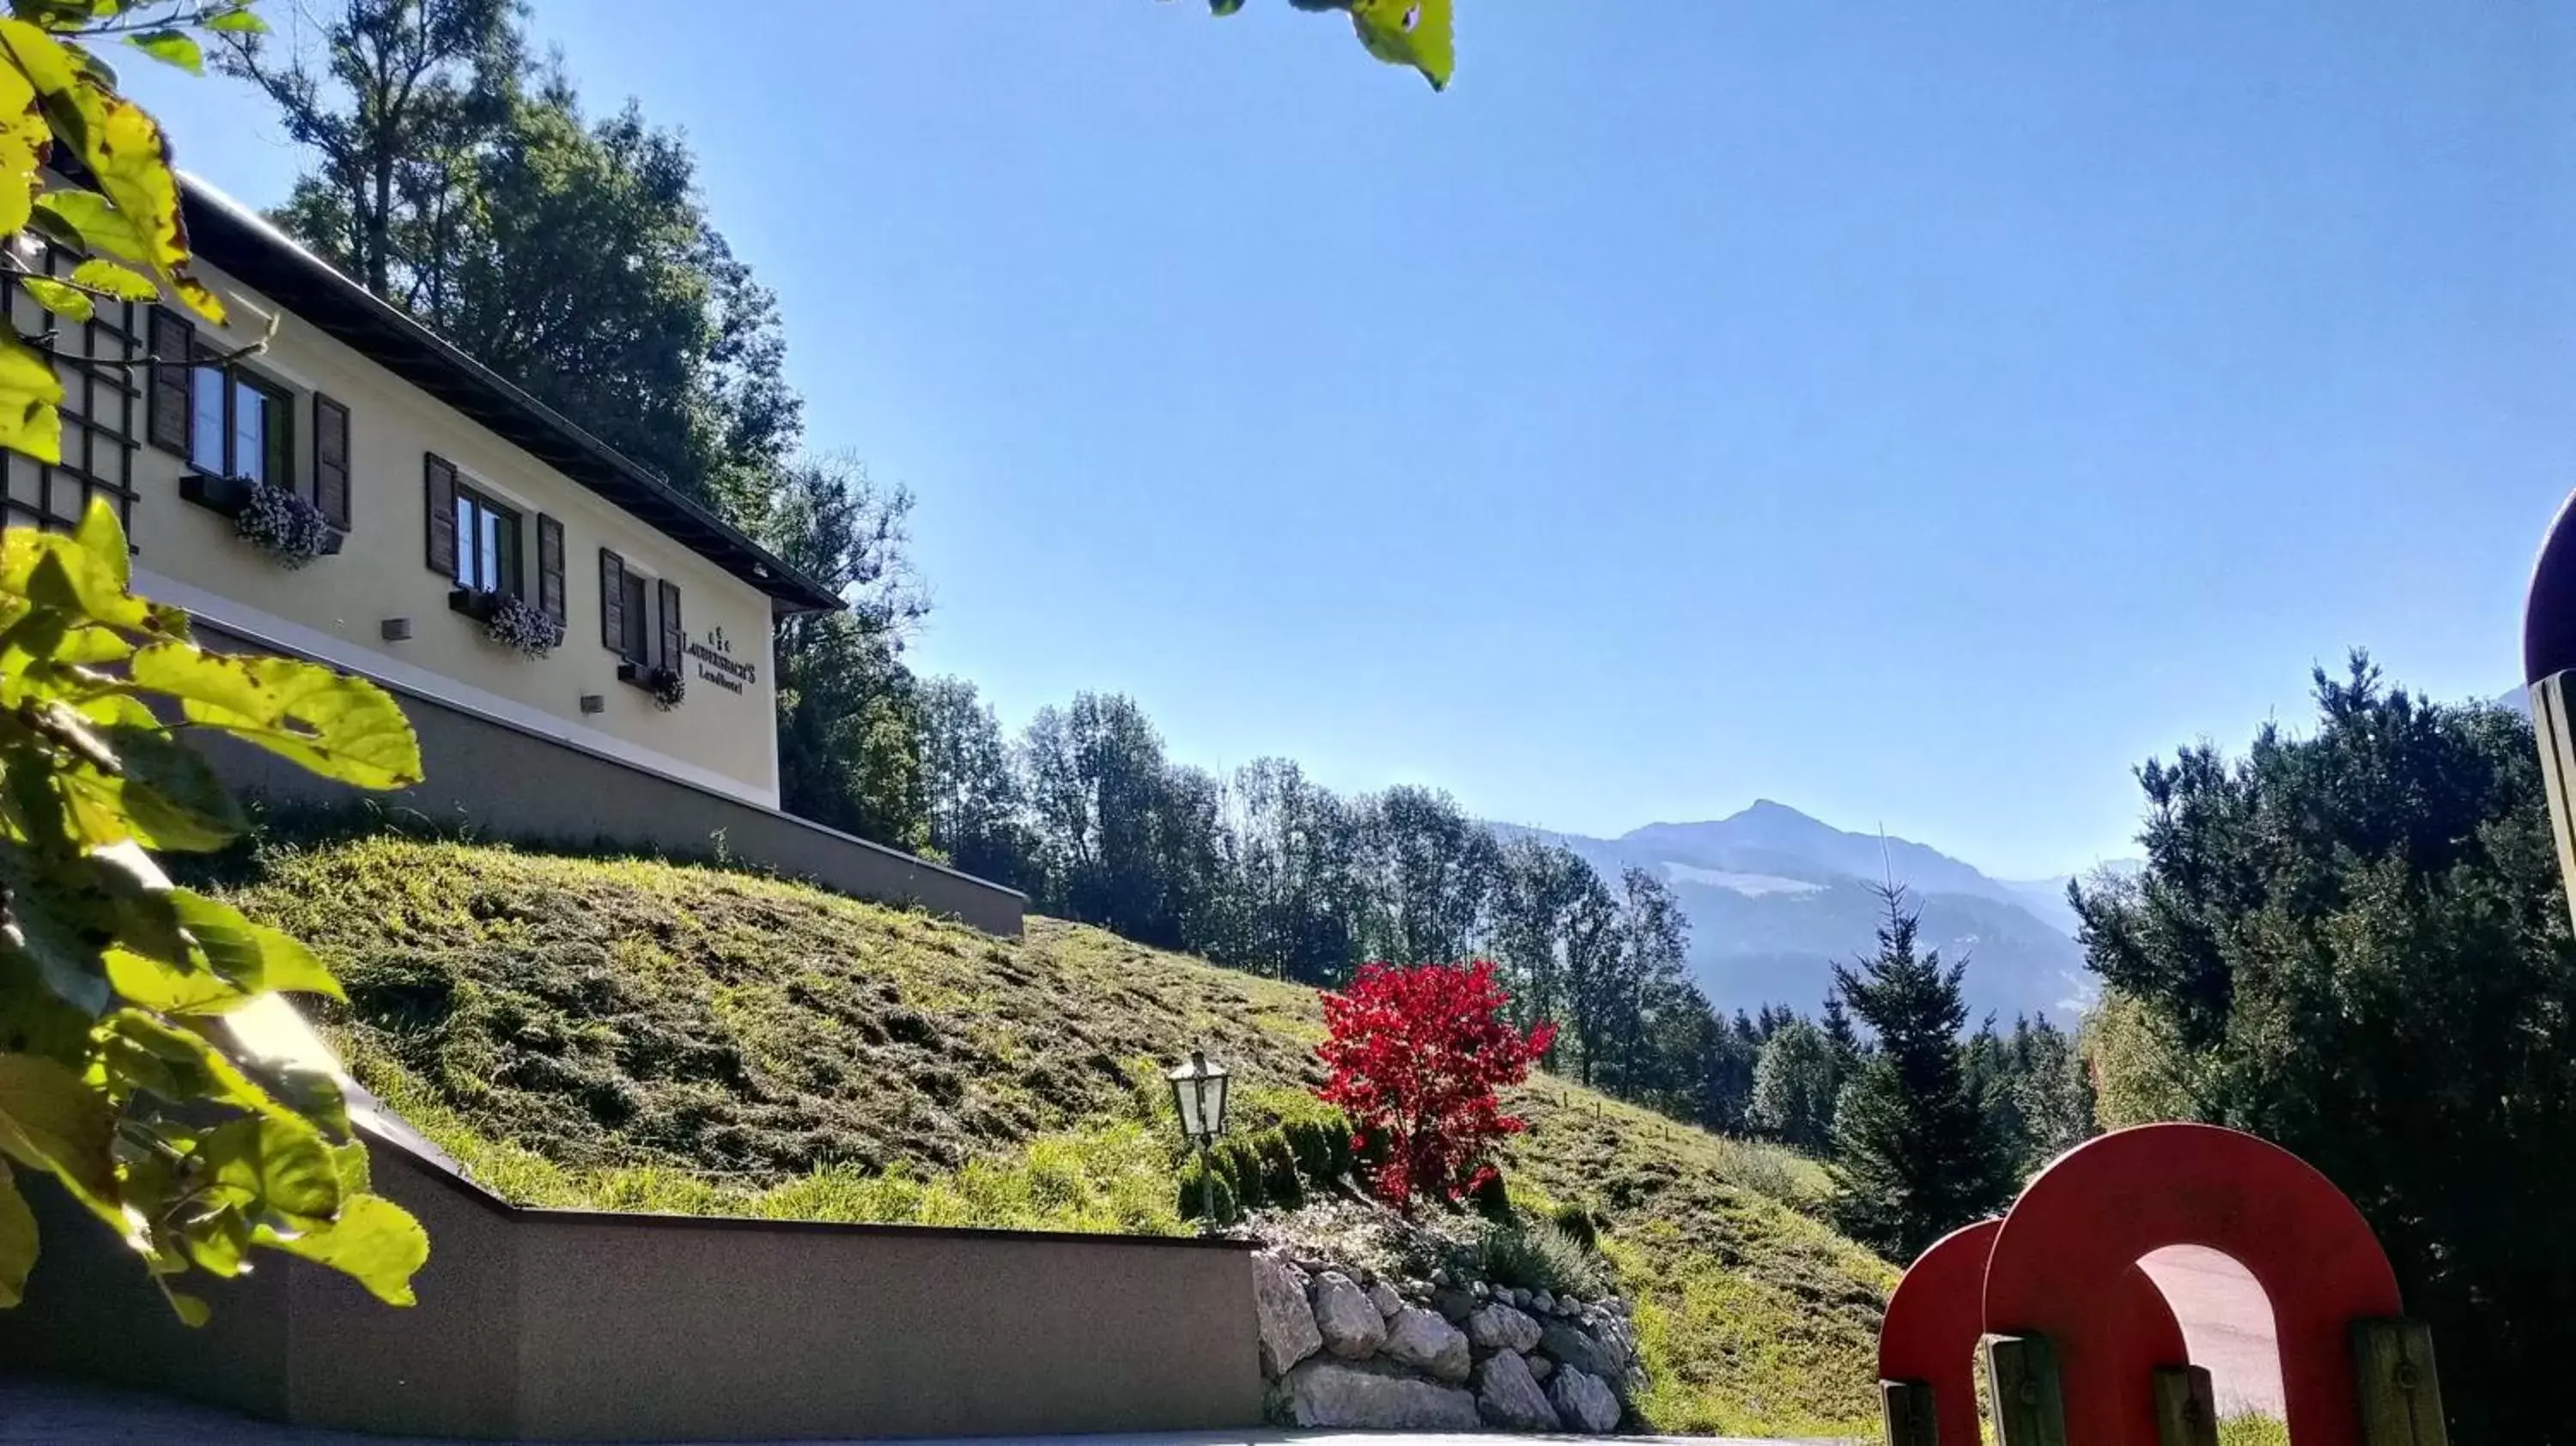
(566,1326)
(511,783)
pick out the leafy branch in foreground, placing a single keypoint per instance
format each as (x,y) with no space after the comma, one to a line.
(1418,33)
(117,1074)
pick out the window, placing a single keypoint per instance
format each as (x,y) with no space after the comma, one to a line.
(240,426)
(636,635)
(639,616)
(487,543)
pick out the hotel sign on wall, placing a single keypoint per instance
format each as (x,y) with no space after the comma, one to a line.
(717,665)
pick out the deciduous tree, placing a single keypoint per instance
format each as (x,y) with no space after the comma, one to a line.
(1416,1055)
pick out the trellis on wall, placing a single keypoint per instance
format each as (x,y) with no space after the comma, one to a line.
(101,410)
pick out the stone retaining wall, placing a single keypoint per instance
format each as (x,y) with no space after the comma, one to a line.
(1343,1349)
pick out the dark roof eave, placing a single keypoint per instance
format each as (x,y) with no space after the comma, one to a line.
(247,247)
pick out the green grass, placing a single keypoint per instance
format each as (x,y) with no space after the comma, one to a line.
(2252,1430)
(614,1033)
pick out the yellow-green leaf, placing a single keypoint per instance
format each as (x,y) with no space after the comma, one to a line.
(17,1241)
(31,399)
(127,156)
(54,571)
(50,1120)
(191,1311)
(252,956)
(19,158)
(375,1242)
(100,226)
(238,22)
(1409,32)
(218,1241)
(140,1051)
(103,538)
(171,47)
(274,1162)
(340,727)
(122,282)
(167,988)
(169,793)
(53,295)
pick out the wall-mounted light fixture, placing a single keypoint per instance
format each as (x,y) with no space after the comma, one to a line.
(395,630)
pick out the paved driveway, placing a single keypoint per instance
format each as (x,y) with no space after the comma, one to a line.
(2227,1322)
(45,1413)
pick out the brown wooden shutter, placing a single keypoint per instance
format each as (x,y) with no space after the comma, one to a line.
(331,461)
(612,601)
(550,574)
(440,487)
(671,634)
(173,340)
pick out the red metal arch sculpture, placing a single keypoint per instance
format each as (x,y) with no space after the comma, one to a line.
(2058,1260)
(1937,1316)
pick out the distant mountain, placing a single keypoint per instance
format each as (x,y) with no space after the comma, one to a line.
(2046,898)
(1776,898)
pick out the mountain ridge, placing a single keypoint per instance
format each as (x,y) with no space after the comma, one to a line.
(1776,897)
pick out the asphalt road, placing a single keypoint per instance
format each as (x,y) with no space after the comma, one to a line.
(2227,1322)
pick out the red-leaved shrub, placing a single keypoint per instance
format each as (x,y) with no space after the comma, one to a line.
(1416,1055)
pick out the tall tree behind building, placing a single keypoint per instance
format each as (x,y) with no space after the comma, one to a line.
(849,717)
(448,171)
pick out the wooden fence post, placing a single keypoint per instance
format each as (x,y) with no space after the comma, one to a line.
(2401,1396)
(2186,1407)
(1907,1407)
(2021,1375)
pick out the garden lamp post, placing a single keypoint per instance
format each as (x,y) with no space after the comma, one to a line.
(2549,671)
(1198,1092)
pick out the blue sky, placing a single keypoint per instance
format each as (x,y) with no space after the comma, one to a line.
(1916,414)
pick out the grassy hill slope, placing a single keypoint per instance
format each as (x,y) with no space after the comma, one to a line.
(639,1035)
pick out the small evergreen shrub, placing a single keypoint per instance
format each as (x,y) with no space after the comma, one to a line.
(1203,1192)
(1579,1224)
(1312,1143)
(1279,1178)
(1242,1167)
(1490,1198)
(1536,1255)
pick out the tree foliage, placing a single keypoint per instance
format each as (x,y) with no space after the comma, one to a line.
(1416,1055)
(1794,1086)
(118,1075)
(2354,943)
(1416,33)
(1917,1152)
(449,169)
(850,726)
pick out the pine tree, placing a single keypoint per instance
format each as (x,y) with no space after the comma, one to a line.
(1917,1154)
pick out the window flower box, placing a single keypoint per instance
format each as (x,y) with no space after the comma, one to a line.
(286,526)
(475,603)
(509,620)
(665,684)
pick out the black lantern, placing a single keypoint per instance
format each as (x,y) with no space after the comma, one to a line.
(1198,1090)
